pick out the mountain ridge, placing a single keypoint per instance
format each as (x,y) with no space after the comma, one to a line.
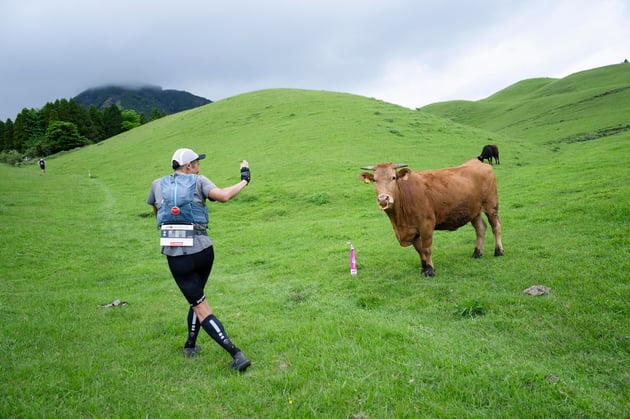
(143,98)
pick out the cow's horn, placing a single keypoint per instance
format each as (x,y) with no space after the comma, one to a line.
(367,168)
(398,166)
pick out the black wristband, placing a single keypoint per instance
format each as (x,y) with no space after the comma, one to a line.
(245,174)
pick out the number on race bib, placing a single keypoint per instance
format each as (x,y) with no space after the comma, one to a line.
(176,235)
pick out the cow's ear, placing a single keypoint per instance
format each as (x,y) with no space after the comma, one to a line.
(366,177)
(402,173)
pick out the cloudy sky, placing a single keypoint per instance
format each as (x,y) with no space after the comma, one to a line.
(407,52)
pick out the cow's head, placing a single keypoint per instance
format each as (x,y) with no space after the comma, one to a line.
(385,177)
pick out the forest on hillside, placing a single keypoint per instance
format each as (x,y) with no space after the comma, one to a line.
(64,125)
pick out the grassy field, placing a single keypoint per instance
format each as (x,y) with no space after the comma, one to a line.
(387,343)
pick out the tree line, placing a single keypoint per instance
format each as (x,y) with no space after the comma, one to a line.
(64,125)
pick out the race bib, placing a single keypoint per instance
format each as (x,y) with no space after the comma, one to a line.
(176,235)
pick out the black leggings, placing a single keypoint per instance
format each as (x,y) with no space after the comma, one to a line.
(191,273)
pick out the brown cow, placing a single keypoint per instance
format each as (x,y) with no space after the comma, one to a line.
(420,202)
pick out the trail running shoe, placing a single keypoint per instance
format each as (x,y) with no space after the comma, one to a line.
(191,352)
(240,362)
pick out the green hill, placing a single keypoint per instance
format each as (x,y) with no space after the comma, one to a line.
(586,105)
(387,343)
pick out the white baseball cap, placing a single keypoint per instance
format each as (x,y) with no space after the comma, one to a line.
(183,156)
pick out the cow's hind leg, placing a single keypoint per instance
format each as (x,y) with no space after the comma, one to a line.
(423,247)
(495,223)
(480,230)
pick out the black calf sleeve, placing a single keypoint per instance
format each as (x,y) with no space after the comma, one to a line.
(193,329)
(215,329)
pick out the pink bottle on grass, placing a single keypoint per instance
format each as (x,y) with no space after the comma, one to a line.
(353,261)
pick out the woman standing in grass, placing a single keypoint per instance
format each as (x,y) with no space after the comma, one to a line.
(178,202)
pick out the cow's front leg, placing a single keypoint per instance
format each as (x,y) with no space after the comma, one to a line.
(480,231)
(423,244)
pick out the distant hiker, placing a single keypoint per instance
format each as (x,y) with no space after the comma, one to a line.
(488,152)
(42,165)
(179,203)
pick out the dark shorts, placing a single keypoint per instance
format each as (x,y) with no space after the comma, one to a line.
(191,273)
